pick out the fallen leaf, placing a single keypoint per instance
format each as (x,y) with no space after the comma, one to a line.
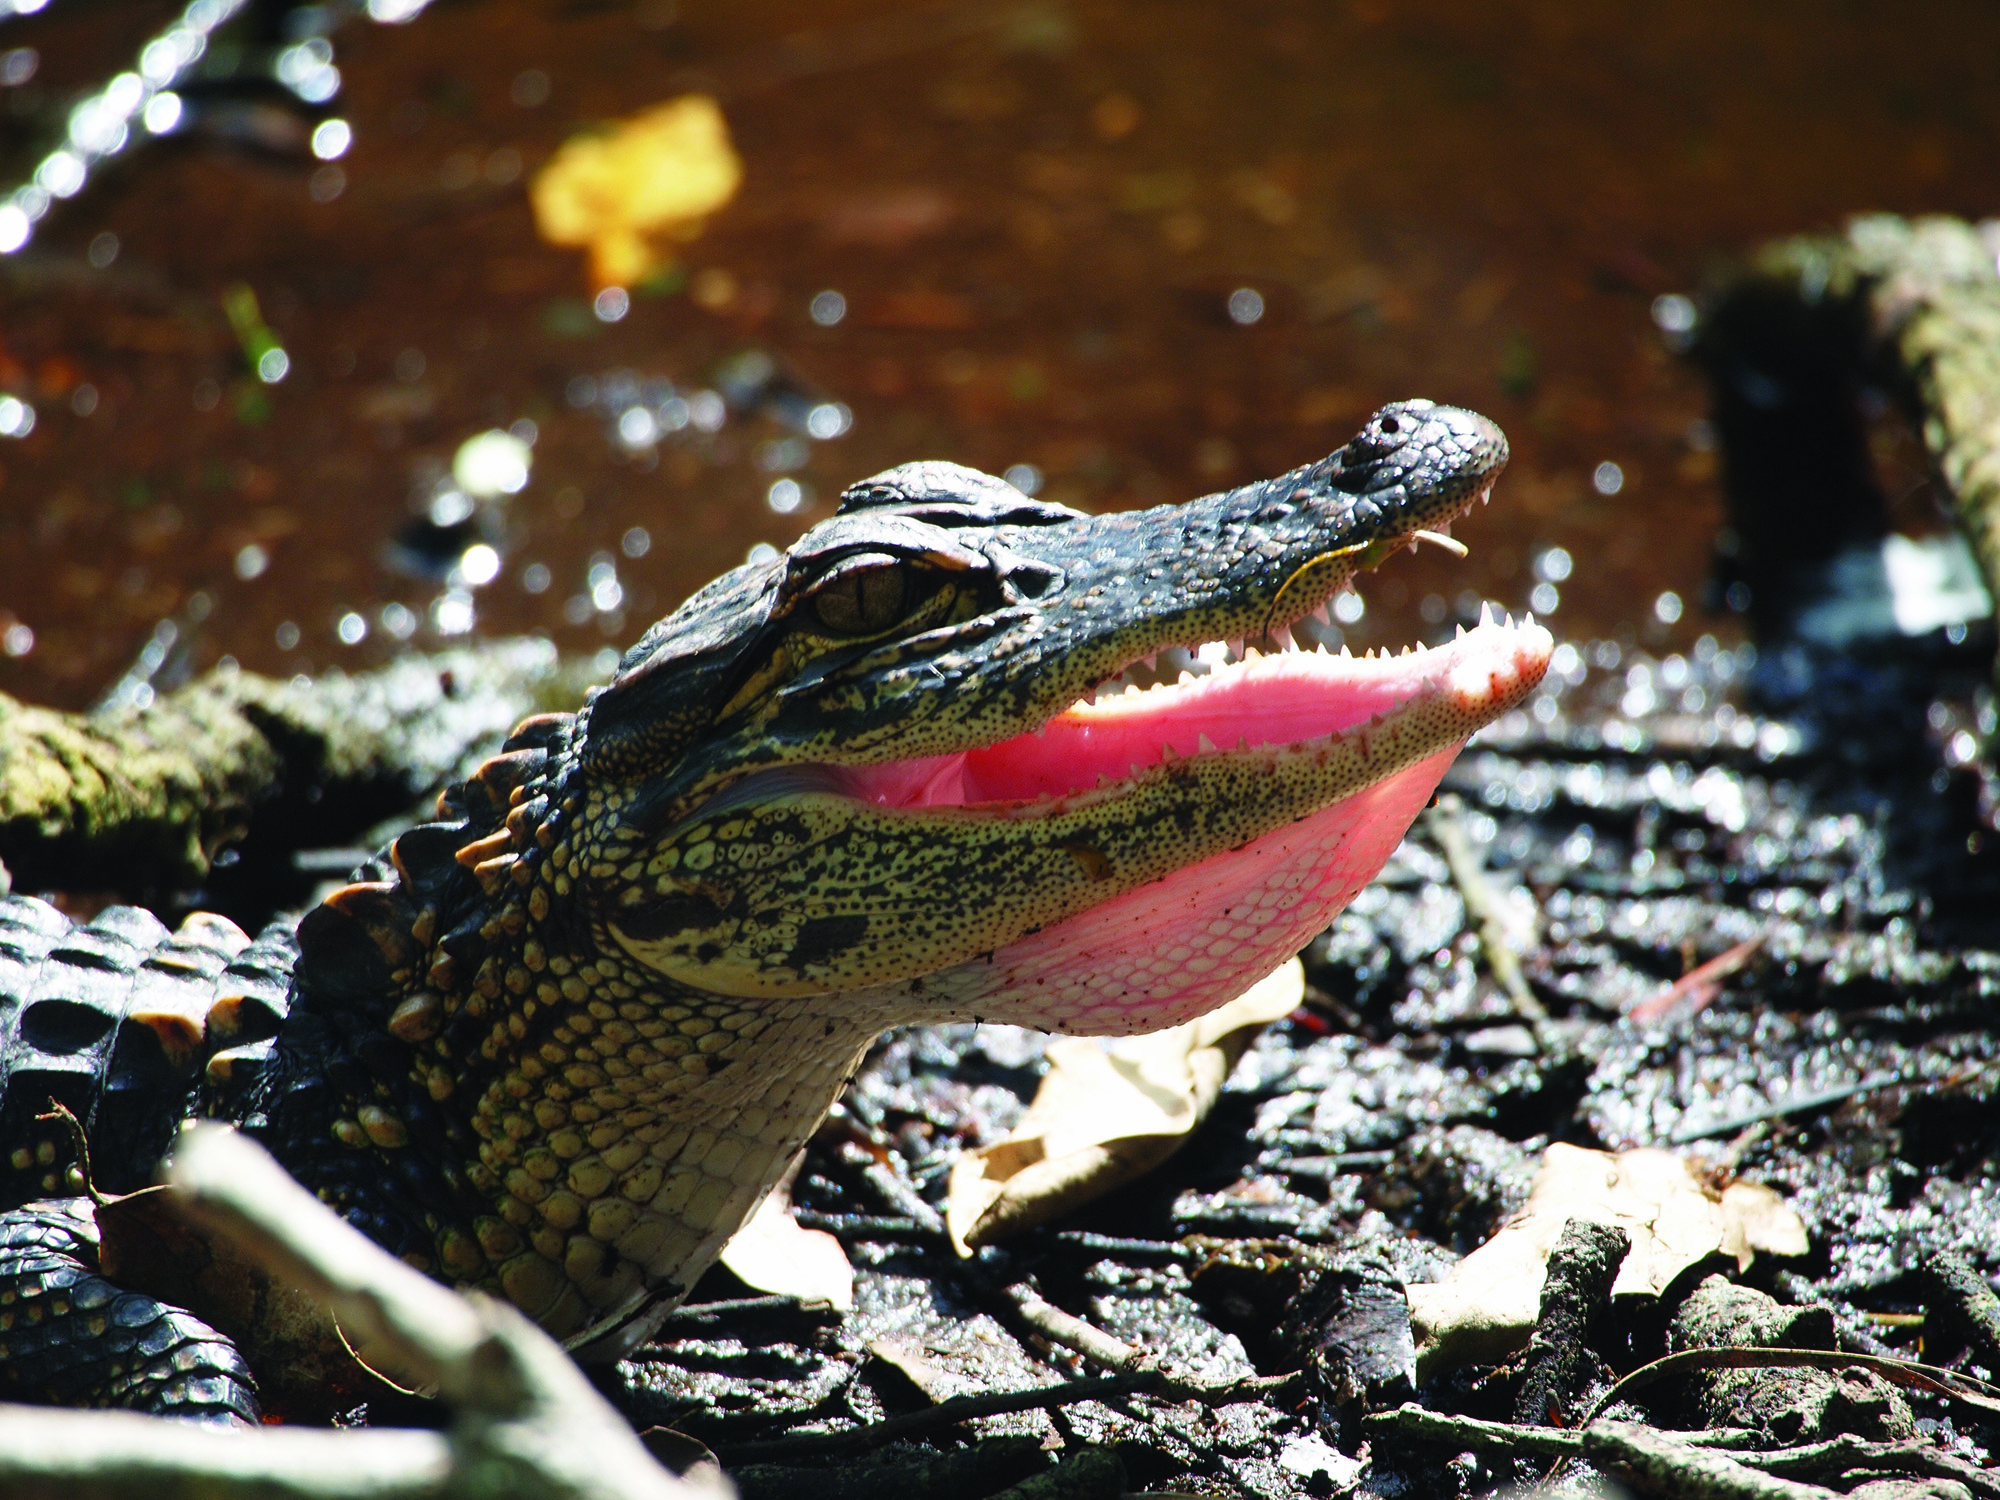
(1486,1307)
(772,1253)
(1107,1113)
(650,178)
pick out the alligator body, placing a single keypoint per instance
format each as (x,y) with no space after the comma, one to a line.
(559,1043)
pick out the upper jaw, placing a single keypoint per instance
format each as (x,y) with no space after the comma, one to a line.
(1252,707)
(1242,564)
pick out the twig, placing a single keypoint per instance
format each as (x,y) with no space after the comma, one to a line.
(1131,1249)
(1974,1394)
(1700,985)
(1416,1425)
(1412,1425)
(864,1227)
(526,1422)
(1848,1452)
(1798,1104)
(1000,1403)
(1662,1465)
(1482,908)
(1073,1333)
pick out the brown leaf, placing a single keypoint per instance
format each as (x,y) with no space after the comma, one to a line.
(1107,1113)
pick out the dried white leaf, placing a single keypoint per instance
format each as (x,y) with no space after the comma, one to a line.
(1107,1113)
(1487,1306)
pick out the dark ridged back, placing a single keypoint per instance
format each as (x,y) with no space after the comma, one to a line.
(123,1023)
(417,919)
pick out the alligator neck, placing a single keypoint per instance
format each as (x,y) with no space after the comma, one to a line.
(584,1149)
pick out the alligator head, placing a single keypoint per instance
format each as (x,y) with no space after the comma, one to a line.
(876,780)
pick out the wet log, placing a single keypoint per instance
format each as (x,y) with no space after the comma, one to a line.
(1912,306)
(141,800)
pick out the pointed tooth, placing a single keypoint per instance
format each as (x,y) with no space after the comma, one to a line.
(1152,661)
(1186,677)
(1242,742)
(1461,632)
(1168,755)
(1140,770)
(1283,636)
(1527,620)
(1349,655)
(1485,611)
(1204,745)
(1324,614)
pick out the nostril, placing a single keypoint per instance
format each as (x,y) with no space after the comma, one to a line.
(1389,425)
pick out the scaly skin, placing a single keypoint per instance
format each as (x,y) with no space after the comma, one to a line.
(560,1045)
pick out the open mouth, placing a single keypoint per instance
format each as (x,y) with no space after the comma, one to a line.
(1173,948)
(1248,702)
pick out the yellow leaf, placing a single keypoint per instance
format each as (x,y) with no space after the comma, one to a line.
(651,178)
(1107,1113)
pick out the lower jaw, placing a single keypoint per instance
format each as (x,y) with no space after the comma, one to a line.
(1166,951)
(1177,948)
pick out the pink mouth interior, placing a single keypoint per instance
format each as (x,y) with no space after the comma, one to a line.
(1267,700)
(1174,948)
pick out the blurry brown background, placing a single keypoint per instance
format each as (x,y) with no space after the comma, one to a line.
(1036,216)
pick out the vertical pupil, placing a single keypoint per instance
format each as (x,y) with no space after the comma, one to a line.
(881,595)
(864,601)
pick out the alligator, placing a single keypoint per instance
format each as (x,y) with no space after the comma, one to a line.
(924,766)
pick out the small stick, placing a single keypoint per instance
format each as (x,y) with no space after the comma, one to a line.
(999,1403)
(1663,1466)
(1482,908)
(1073,1333)
(527,1422)
(1847,1452)
(1975,1394)
(1700,985)
(1798,1104)
(1414,1423)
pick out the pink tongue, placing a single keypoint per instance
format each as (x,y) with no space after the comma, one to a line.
(1271,700)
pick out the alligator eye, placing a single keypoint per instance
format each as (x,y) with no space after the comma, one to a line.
(861,600)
